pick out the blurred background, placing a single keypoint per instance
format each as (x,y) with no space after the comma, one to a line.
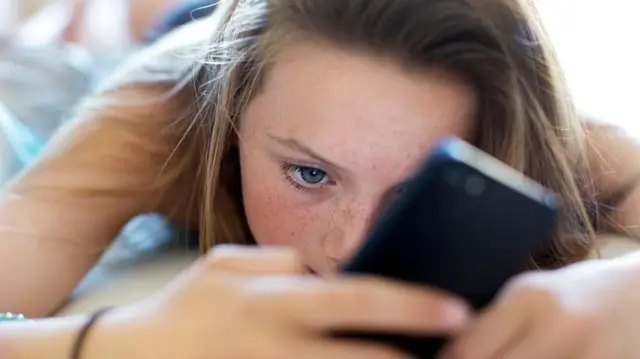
(52,52)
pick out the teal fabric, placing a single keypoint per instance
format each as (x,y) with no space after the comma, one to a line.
(23,142)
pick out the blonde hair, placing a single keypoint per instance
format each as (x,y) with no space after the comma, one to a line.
(526,117)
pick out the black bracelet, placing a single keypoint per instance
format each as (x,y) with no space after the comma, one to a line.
(76,352)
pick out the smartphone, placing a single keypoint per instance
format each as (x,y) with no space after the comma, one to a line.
(465,224)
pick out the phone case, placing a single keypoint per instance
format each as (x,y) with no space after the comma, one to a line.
(465,224)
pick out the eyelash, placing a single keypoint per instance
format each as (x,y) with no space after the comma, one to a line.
(287,168)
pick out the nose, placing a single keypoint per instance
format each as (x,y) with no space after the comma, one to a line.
(353,224)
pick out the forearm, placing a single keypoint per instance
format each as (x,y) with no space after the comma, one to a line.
(46,252)
(50,338)
(29,285)
(116,334)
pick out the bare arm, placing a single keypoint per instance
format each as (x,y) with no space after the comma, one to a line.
(113,335)
(58,215)
(52,339)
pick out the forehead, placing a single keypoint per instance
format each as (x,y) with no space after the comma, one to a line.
(359,110)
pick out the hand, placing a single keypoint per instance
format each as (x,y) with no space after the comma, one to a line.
(253,303)
(589,310)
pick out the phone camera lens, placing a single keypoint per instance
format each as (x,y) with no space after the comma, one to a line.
(454,177)
(474,185)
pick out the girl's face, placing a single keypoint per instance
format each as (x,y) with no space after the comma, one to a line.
(332,137)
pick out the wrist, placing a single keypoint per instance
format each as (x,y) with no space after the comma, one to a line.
(46,338)
(116,334)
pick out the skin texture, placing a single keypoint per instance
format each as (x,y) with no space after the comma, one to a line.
(363,153)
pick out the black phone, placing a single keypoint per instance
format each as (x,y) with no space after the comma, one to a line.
(465,224)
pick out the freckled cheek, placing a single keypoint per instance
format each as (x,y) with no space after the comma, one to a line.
(275,214)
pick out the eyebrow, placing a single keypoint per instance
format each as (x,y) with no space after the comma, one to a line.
(295,145)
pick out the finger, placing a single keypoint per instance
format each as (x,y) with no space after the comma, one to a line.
(254,260)
(366,304)
(493,334)
(346,349)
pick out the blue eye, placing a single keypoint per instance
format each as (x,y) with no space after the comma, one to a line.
(309,175)
(305,177)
